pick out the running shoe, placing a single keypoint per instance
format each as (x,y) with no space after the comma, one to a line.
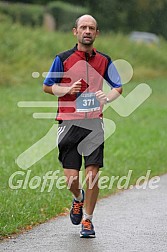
(76,211)
(87,229)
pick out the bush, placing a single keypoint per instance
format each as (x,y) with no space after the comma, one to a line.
(25,14)
(5,18)
(65,14)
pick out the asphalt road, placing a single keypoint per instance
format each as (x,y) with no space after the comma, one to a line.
(129,221)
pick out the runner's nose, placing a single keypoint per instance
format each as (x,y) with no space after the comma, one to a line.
(87,30)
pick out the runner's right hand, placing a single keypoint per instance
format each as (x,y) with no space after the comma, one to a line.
(76,87)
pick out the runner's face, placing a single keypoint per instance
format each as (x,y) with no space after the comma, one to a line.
(86,31)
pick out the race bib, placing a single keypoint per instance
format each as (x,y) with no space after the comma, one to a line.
(87,102)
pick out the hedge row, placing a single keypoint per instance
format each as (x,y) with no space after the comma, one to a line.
(31,14)
(26,14)
(65,14)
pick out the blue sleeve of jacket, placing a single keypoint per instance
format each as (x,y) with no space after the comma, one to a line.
(55,72)
(112,76)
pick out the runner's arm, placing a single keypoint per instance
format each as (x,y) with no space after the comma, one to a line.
(55,89)
(111,96)
(59,91)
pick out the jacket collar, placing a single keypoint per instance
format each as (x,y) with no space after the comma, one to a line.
(82,54)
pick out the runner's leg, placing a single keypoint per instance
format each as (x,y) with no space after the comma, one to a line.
(91,193)
(72,178)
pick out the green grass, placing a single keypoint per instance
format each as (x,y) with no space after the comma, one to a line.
(138,144)
(24,50)
(139,140)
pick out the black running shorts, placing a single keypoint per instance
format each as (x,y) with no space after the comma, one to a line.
(77,138)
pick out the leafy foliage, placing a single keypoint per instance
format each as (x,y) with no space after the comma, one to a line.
(120,15)
(112,15)
(24,14)
(65,14)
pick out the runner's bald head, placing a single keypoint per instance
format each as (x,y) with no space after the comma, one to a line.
(86,17)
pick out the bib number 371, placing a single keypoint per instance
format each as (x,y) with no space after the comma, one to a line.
(87,102)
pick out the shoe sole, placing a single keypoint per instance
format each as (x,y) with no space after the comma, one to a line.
(87,236)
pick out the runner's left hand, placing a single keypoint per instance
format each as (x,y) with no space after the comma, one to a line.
(101,97)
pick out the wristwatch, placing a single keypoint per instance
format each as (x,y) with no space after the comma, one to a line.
(107,100)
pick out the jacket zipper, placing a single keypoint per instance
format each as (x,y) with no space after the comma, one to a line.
(87,77)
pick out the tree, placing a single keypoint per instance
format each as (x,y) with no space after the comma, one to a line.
(121,15)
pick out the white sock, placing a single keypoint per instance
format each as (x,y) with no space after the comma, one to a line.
(87,216)
(80,197)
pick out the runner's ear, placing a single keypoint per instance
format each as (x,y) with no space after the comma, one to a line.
(74,31)
(97,33)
